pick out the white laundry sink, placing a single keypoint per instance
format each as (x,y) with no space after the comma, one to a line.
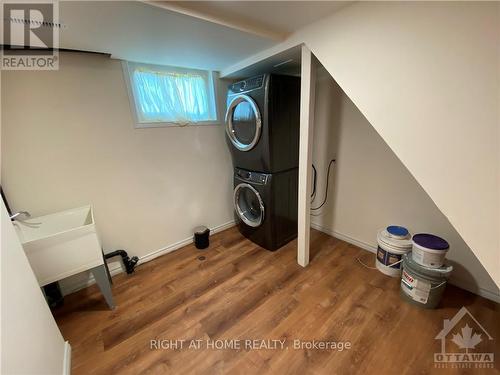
(61,244)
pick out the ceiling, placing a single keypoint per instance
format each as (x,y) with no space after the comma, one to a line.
(140,32)
(275,19)
(206,35)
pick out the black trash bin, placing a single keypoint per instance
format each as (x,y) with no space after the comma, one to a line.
(201,237)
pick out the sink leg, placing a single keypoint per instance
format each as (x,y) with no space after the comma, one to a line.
(107,267)
(101,277)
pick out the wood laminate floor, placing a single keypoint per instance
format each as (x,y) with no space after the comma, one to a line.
(241,292)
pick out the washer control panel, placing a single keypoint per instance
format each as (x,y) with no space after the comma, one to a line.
(253,177)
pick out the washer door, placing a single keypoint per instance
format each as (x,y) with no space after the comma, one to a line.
(248,205)
(243,122)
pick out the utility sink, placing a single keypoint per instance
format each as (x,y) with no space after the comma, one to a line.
(61,244)
(64,244)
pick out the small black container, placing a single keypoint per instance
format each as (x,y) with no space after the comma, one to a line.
(53,295)
(201,237)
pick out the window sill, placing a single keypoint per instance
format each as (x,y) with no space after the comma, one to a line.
(147,125)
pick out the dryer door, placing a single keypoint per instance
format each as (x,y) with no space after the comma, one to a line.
(243,122)
(248,205)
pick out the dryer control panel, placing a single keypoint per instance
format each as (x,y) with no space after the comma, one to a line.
(247,85)
(252,177)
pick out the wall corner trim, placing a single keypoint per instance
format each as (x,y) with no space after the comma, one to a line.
(67,359)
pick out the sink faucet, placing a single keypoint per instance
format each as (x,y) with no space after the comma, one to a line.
(26,214)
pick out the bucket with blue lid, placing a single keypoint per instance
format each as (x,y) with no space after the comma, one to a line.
(393,242)
(429,250)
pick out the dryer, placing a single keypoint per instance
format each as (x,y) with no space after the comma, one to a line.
(262,123)
(266,206)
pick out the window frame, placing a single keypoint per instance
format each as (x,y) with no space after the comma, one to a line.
(128,67)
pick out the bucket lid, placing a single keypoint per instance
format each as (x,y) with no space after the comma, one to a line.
(430,241)
(397,231)
(443,271)
(399,243)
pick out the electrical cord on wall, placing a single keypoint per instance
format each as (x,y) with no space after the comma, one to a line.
(327,184)
(314,183)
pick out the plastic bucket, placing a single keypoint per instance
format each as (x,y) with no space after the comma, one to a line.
(390,250)
(429,250)
(423,286)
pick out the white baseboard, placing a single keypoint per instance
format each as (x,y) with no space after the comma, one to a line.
(366,246)
(117,268)
(67,359)
(182,243)
(486,293)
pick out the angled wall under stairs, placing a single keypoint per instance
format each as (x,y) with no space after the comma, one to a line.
(426,77)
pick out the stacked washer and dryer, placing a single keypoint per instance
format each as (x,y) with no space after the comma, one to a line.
(262,131)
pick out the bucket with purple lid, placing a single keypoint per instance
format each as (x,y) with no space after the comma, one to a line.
(429,250)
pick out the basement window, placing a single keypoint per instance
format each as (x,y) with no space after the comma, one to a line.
(165,96)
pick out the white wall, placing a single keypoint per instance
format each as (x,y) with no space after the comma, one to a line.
(370,188)
(31,341)
(68,139)
(425,75)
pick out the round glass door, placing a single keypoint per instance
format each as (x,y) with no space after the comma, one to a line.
(243,122)
(248,205)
